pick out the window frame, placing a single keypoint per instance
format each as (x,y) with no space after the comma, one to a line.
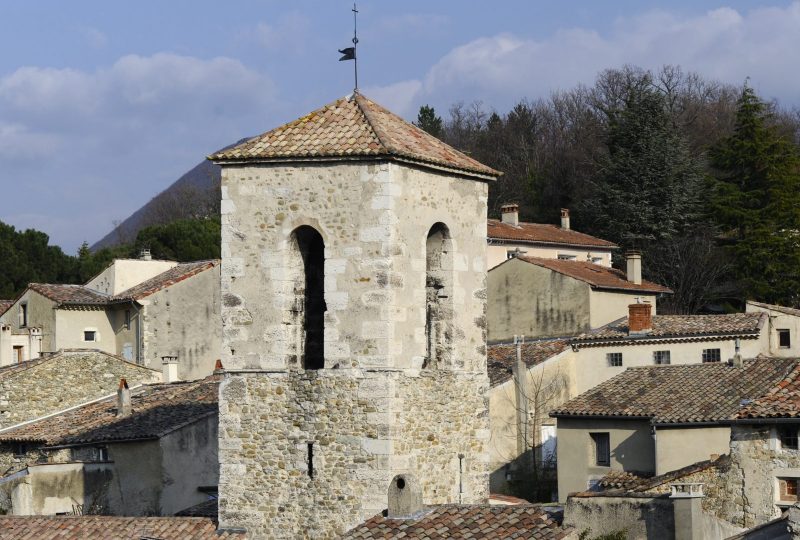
(659,356)
(598,440)
(94,336)
(785,485)
(788,334)
(611,359)
(715,353)
(23,315)
(788,433)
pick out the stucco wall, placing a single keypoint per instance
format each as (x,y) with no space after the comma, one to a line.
(184,320)
(632,449)
(525,299)
(498,253)
(126,337)
(126,273)
(779,320)
(62,381)
(71,324)
(190,460)
(41,314)
(681,446)
(596,369)
(138,478)
(608,306)
(369,413)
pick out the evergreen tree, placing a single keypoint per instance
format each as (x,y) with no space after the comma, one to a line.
(757,203)
(428,121)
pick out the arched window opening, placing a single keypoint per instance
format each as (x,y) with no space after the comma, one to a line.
(311,297)
(438,296)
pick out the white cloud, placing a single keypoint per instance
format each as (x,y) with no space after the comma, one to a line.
(722,44)
(290,32)
(95,37)
(398,97)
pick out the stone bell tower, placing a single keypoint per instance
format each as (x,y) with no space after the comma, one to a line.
(353,297)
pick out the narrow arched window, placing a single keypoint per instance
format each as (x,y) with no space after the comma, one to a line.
(310,305)
(438,296)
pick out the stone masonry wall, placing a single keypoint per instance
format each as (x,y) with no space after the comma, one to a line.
(39,387)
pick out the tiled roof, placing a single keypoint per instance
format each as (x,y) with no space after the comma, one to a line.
(352,127)
(4,305)
(541,233)
(209,509)
(111,528)
(466,521)
(69,294)
(681,326)
(95,355)
(782,401)
(158,409)
(500,358)
(775,307)
(680,393)
(599,277)
(165,279)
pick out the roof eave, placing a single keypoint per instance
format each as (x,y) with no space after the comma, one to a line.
(628,340)
(546,243)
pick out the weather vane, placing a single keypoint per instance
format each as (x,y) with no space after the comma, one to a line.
(349,53)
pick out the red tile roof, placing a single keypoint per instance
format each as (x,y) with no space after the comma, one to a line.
(4,305)
(782,401)
(541,233)
(166,279)
(158,409)
(352,127)
(466,521)
(744,325)
(69,294)
(597,276)
(689,393)
(500,357)
(111,528)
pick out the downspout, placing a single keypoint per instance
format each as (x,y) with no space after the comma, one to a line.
(655,447)
(139,359)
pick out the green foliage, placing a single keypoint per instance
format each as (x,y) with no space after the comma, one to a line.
(428,121)
(183,240)
(756,202)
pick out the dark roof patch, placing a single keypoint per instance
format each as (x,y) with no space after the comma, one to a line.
(542,233)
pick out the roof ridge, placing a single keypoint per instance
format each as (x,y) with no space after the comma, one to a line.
(379,134)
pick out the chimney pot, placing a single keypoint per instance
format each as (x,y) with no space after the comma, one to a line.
(405,497)
(565,218)
(123,399)
(634,266)
(169,369)
(640,319)
(510,214)
(218,368)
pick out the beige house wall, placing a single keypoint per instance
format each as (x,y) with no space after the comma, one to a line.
(777,321)
(498,253)
(184,320)
(123,274)
(41,315)
(72,323)
(525,299)
(631,445)
(608,306)
(677,447)
(126,336)
(594,368)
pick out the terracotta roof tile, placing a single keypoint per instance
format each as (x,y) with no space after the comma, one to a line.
(680,393)
(69,294)
(352,127)
(157,410)
(782,401)
(500,357)
(466,521)
(669,326)
(599,277)
(165,279)
(111,528)
(541,233)
(774,307)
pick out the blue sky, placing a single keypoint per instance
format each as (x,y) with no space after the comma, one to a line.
(104,104)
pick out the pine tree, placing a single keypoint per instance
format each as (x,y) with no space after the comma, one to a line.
(757,203)
(428,121)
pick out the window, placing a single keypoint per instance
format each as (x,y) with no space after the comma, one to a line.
(102,453)
(127,319)
(784,339)
(23,314)
(597,260)
(310,306)
(19,353)
(20,449)
(89,335)
(661,358)
(614,359)
(787,489)
(788,437)
(602,449)
(566,257)
(438,296)
(711,355)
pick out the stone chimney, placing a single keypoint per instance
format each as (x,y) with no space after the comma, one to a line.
(405,497)
(688,515)
(565,218)
(510,214)
(123,399)
(640,319)
(145,255)
(169,369)
(634,260)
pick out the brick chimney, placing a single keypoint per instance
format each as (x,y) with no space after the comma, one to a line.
(634,263)
(169,369)
(510,214)
(405,497)
(123,399)
(565,218)
(640,319)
